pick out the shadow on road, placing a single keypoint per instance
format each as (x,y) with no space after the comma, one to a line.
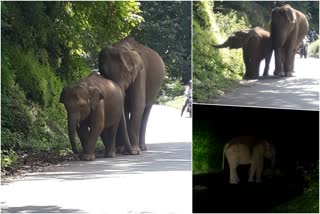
(41,209)
(294,93)
(157,158)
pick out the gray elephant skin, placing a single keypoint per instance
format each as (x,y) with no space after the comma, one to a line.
(94,107)
(288,28)
(256,45)
(139,71)
(248,150)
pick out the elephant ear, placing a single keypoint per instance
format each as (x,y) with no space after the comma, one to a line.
(290,15)
(95,97)
(63,94)
(132,62)
(242,36)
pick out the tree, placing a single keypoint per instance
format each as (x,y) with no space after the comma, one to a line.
(167,29)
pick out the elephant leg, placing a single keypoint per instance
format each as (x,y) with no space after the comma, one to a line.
(267,63)
(108,137)
(134,129)
(279,70)
(125,147)
(289,61)
(96,128)
(135,106)
(232,161)
(252,172)
(234,179)
(83,133)
(145,117)
(252,67)
(259,169)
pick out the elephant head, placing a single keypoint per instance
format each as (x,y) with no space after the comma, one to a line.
(237,40)
(282,24)
(121,64)
(79,101)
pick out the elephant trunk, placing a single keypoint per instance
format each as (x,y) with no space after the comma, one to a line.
(73,121)
(224,45)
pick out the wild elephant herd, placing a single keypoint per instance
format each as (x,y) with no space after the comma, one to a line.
(116,104)
(288,28)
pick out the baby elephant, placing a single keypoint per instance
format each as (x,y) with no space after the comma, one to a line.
(95,108)
(248,150)
(256,45)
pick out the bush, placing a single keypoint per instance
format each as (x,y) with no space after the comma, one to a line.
(206,151)
(170,89)
(214,71)
(15,114)
(313,49)
(9,158)
(37,80)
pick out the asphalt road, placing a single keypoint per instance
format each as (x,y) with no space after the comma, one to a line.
(158,181)
(298,92)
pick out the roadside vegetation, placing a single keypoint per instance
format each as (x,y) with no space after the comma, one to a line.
(215,72)
(313,49)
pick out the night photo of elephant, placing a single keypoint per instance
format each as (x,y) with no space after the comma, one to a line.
(245,161)
(115,104)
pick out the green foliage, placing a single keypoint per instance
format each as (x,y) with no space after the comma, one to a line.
(313,49)
(177,102)
(258,13)
(9,158)
(214,71)
(206,151)
(170,89)
(167,29)
(306,203)
(202,13)
(15,114)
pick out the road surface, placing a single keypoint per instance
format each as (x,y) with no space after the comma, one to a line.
(299,92)
(158,181)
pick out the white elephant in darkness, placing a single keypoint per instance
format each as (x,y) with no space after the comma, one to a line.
(248,150)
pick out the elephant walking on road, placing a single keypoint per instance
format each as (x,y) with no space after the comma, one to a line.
(288,28)
(256,45)
(248,150)
(95,107)
(139,71)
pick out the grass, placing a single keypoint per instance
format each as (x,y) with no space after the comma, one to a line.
(306,203)
(177,102)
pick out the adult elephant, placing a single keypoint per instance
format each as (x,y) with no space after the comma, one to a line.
(248,150)
(139,71)
(288,28)
(94,106)
(256,45)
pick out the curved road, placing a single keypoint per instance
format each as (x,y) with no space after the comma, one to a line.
(158,181)
(298,92)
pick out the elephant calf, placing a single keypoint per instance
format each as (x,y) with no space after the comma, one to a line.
(256,45)
(248,150)
(94,107)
